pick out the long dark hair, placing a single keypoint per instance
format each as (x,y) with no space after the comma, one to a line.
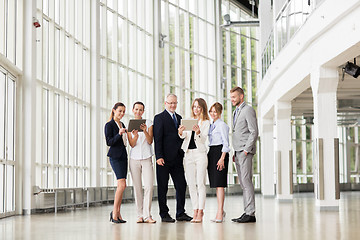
(118,104)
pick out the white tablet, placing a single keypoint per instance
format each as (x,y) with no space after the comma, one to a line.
(134,124)
(189,123)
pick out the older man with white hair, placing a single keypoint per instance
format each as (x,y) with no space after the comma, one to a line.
(169,159)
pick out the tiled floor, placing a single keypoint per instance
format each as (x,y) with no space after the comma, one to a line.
(298,219)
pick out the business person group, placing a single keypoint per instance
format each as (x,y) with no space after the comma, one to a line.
(183,155)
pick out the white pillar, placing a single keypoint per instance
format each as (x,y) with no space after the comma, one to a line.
(29,109)
(96,125)
(282,146)
(324,83)
(158,93)
(267,157)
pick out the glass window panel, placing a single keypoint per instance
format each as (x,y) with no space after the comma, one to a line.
(10,119)
(191,32)
(149,56)
(45,7)
(182,16)
(254,87)
(109,84)
(202,8)
(57,129)
(11,30)
(149,16)
(67,62)
(182,3)
(45,51)
(2,115)
(299,158)
(109,35)
(172,64)
(110,3)
(2,192)
(211,41)
(172,15)
(57,57)
(193,6)
(45,125)
(120,38)
(244,83)
(57,11)
(66,142)
(141,13)
(233,48)
(352,158)
(132,11)
(132,46)
(10,188)
(2,27)
(243,52)
(309,157)
(202,38)
(224,46)
(234,77)
(210,11)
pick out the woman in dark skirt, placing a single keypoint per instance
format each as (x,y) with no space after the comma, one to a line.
(115,134)
(218,157)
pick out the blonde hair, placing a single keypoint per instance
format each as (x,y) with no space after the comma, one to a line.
(204,112)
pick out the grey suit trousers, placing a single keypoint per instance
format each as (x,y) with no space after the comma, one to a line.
(244,169)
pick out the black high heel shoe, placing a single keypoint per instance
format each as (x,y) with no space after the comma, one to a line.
(113,220)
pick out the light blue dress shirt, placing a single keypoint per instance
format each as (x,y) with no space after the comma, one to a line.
(219,135)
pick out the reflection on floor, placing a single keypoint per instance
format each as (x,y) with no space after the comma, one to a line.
(298,219)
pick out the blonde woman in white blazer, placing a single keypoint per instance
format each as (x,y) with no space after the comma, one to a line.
(195,160)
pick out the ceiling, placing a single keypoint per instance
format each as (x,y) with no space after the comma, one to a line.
(348,101)
(247,7)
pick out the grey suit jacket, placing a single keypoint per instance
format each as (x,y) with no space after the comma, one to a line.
(245,130)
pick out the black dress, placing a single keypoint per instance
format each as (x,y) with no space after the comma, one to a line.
(217,178)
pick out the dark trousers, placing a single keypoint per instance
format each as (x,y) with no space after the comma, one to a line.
(177,175)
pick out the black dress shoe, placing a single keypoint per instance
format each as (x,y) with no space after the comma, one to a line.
(237,219)
(168,219)
(184,217)
(247,219)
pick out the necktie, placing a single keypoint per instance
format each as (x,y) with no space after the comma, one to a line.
(212,126)
(174,118)
(235,113)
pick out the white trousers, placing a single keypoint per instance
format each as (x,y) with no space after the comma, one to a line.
(142,169)
(195,166)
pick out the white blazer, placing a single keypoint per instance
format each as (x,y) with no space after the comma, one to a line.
(200,139)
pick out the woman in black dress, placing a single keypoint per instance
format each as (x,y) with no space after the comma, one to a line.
(218,157)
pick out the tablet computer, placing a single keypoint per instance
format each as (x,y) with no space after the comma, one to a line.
(134,124)
(188,123)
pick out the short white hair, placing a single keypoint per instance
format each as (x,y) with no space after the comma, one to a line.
(170,95)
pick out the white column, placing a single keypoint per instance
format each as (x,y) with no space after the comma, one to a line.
(158,93)
(267,157)
(324,83)
(282,146)
(96,125)
(28,85)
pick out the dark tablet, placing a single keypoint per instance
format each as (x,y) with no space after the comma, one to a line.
(134,124)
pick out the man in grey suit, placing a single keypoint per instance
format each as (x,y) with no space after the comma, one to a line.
(244,136)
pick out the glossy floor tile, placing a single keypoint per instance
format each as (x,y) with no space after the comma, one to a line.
(298,219)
